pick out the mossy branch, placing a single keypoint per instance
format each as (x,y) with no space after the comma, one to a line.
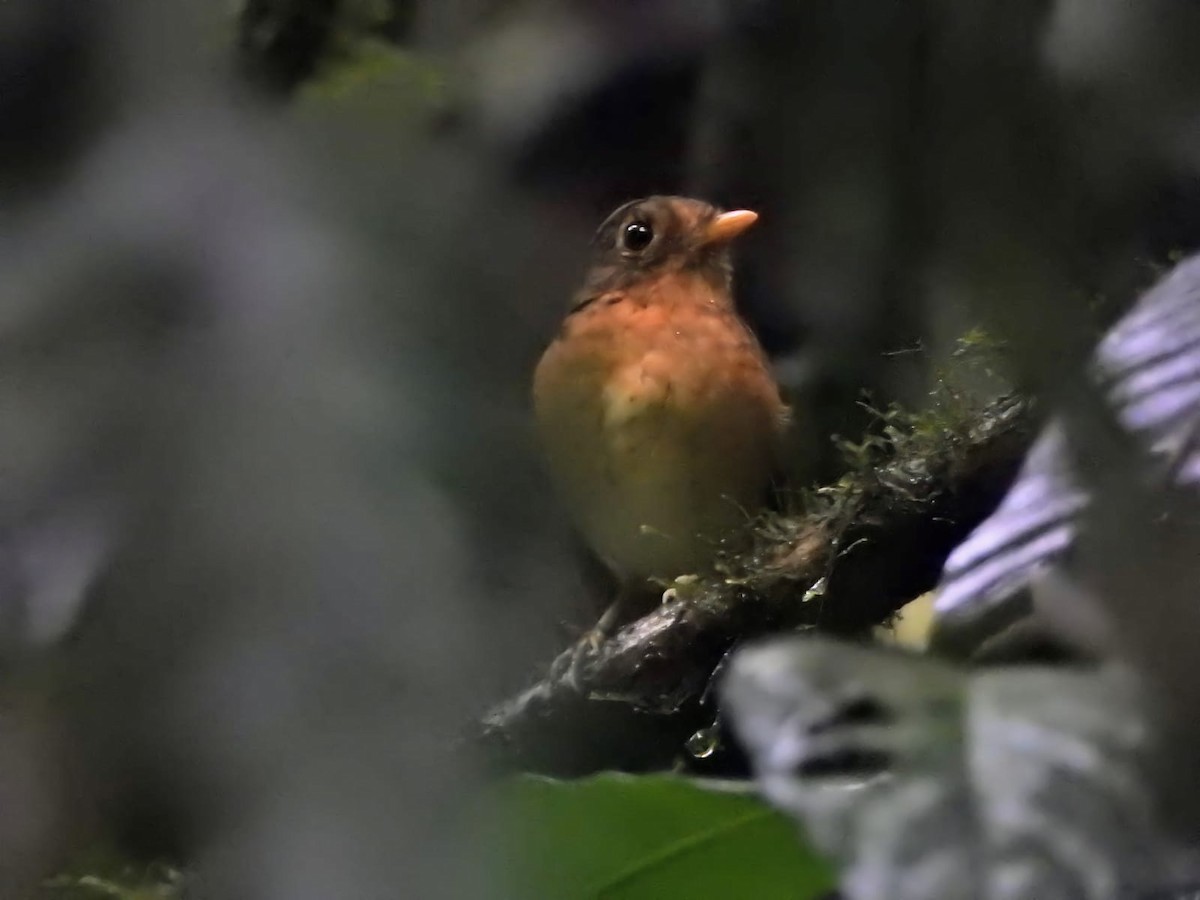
(860,550)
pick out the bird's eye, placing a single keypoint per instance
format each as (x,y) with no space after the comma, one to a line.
(637,236)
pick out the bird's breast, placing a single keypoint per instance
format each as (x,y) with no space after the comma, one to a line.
(660,430)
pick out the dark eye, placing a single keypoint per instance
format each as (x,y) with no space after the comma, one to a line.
(637,236)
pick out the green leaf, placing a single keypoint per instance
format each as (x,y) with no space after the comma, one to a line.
(618,837)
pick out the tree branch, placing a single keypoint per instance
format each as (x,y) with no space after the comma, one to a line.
(878,539)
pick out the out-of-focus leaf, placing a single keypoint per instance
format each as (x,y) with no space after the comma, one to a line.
(102,874)
(93,887)
(653,837)
(925,782)
(366,65)
(1149,368)
(984,581)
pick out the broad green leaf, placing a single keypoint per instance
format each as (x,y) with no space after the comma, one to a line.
(618,837)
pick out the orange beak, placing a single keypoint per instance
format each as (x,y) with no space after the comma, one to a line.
(728,225)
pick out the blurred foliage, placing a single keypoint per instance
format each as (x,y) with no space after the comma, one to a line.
(981,770)
(357,64)
(612,836)
(104,875)
(360,53)
(625,837)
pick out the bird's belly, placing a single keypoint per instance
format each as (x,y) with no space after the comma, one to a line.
(652,518)
(658,468)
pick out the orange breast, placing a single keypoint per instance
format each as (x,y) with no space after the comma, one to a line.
(661,424)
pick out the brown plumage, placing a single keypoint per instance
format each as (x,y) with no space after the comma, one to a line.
(655,405)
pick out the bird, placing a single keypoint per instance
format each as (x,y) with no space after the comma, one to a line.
(656,408)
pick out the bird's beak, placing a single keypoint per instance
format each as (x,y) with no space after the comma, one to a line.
(728,225)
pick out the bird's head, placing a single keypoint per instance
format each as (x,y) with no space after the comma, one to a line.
(658,235)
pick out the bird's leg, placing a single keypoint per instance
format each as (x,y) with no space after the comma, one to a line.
(593,639)
(595,636)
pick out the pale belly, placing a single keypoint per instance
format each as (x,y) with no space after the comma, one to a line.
(659,466)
